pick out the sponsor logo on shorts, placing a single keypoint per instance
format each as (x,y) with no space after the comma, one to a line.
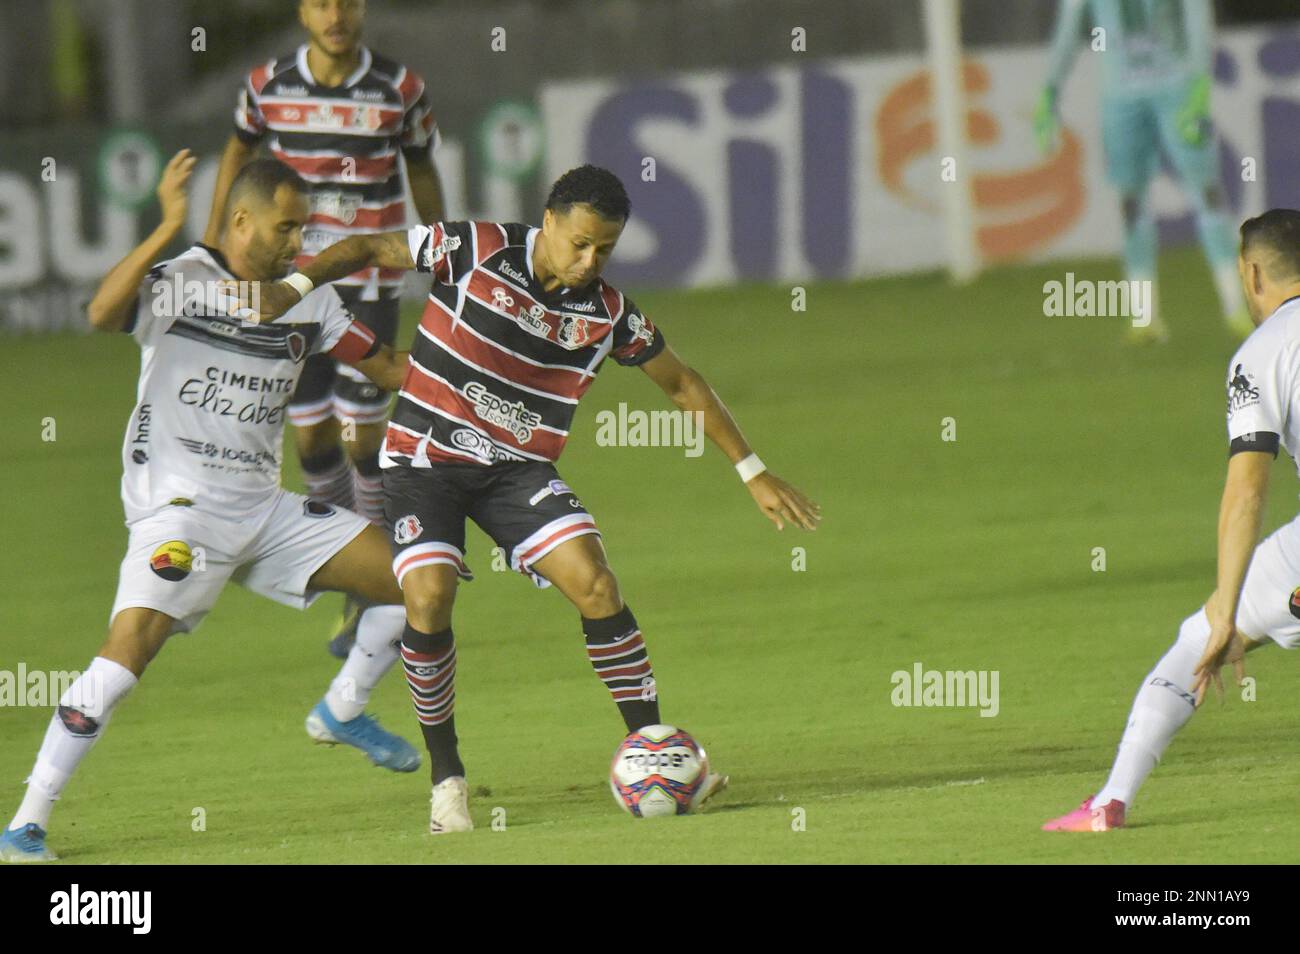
(172,561)
(513,416)
(316,508)
(480,446)
(557,487)
(1294,604)
(139,456)
(407,529)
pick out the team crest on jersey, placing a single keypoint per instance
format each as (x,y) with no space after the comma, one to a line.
(296,344)
(367,117)
(172,561)
(1242,392)
(572,332)
(407,529)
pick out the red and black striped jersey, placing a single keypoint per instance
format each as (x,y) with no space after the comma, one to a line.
(498,364)
(344,141)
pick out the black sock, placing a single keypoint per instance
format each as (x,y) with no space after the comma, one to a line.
(429,662)
(618,654)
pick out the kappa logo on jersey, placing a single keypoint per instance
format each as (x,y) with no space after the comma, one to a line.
(514,417)
(1242,392)
(407,529)
(1294,604)
(172,561)
(317,508)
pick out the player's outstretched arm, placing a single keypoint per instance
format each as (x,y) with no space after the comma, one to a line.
(234,157)
(1241,513)
(111,307)
(426,189)
(778,500)
(1064,47)
(382,249)
(386,367)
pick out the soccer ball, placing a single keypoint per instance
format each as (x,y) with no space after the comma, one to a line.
(658,770)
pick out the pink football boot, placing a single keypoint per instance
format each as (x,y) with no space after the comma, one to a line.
(1087,818)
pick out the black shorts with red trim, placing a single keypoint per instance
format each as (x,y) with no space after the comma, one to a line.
(525,507)
(328,389)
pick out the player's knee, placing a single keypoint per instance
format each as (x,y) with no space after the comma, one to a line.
(428,600)
(1194,633)
(598,595)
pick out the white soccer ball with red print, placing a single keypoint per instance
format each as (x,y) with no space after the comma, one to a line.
(658,770)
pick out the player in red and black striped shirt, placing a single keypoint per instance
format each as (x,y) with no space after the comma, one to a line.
(517,325)
(339,114)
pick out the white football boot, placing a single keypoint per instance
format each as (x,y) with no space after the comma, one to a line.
(449,807)
(714,782)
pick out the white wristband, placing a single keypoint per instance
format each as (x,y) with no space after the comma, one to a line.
(299,283)
(750,467)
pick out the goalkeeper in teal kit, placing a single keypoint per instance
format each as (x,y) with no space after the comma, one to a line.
(1156,58)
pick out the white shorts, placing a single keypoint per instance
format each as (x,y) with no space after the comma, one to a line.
(179,559)
(1270,598)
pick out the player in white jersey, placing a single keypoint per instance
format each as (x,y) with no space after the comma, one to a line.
(1251,606)
(201,476)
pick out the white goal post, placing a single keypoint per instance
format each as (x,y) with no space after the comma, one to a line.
(943,49)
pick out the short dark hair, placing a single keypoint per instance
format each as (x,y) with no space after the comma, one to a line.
(260,178)
(1278,232)
(593,186)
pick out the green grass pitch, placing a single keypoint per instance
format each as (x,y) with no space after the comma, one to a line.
(973,554)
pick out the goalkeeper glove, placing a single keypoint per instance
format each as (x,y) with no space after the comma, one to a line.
(1046,122)
(1194,114)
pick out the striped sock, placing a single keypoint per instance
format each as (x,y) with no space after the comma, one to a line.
(430,664)
(368,489)
(618,654)
(328,477)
